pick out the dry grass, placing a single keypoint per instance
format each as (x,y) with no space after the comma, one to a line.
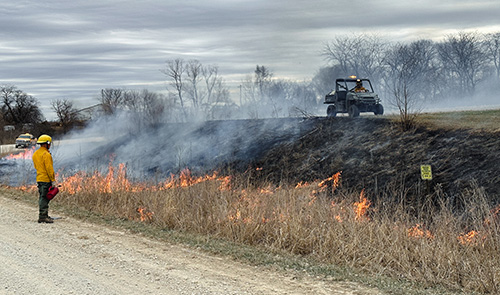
(433,245)
(476,120)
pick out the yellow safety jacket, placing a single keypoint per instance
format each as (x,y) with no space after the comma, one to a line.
(42,160)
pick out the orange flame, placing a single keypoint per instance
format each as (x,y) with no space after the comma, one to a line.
(495,211)
(146,215)
(116,180)
(266,191)
(313,199)
(337,216)
(334,180)
(302,184)
(471,238)
(236,216)
(361,207)
(418,231)
(186,179)
(494,216)
(225,183)
(26,155)
(28,188)
(113,181)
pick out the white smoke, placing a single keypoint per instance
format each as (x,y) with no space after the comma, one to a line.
(169,148)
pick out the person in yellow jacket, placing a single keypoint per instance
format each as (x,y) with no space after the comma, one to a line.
(359,86)
(45,176)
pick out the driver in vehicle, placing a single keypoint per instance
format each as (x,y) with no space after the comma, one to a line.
(359,87)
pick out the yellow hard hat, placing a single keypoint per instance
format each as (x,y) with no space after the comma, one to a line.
(44,139)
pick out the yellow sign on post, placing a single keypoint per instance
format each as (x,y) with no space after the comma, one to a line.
(426,172)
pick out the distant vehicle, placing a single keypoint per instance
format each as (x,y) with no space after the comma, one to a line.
(25,140)
(8,128)
(353,96)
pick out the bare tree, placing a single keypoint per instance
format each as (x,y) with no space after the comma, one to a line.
(264,96)
(410,72)
(219,104)
(8,102)
(65,112)
(263,78)
(463,57)
(111,99)
(212,79)
(249,97)
(154,107)
(132,100)
(198,88)
(339,52)
(255,91)
(18,107)
(492,43)
(147,107)
(359,55)
(175,72)
(194,75)
(220,93)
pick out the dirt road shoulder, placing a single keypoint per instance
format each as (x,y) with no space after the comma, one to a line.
(75,257)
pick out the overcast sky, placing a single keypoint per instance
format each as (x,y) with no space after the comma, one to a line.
(61,49)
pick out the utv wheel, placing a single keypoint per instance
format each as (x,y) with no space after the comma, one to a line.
(353,111)
(331,111)
(379,110)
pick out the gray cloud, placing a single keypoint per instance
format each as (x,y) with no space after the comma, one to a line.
(71,49)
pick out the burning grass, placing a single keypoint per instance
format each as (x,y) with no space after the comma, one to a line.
(21,154)
(320,220)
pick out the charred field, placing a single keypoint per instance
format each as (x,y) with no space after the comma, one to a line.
(372,153)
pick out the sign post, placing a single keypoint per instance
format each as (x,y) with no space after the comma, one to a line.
(426,174)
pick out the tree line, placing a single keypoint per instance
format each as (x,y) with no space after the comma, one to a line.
(405,74)
(457,64)
(409,73)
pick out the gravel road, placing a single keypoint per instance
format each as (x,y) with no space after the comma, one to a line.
(75,257)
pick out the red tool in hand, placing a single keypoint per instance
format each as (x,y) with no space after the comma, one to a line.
(53,190)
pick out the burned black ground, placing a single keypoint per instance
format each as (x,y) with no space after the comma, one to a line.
(375,155)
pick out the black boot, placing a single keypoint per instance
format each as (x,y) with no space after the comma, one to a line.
(45,219)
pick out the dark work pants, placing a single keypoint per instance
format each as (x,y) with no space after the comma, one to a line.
(43,202)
